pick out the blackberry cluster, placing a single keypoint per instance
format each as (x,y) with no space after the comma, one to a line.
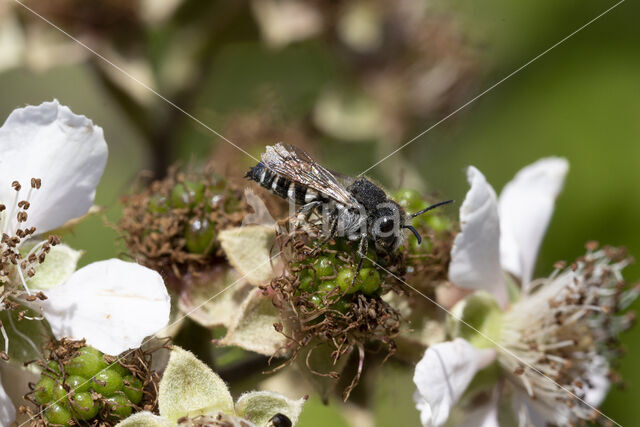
(86,388)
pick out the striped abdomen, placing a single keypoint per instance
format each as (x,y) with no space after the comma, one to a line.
(282,186)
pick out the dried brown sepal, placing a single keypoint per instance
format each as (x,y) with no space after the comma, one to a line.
(154,231)
(313,324)
(137,361)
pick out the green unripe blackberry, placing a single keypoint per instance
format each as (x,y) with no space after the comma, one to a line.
(307,280)
(324,266)
(58,393)
(326,287)
(158,204)
(43,391)
(117,367)
(107,382)
(87,374)
(78,383)
(91,350)
(133,389)
(53,367)
(345,279)
(187,194)
(198,235)
(120,406)
(83,406)
(316,300)
(342,305)
(87,364)
(58,414)
(438,223)
(369,280)
(409,199)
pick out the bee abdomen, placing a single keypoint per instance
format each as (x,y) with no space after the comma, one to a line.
(282,186)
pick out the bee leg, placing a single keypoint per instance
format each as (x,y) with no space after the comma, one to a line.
(363,247)
(332,233)
(303,213)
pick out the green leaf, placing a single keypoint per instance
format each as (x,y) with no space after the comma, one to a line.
(58,266)
(145,419)
(260,406)
(252,328)
(248,250)
(190,388)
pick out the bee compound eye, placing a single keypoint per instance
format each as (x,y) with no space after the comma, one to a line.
(386,225)
(279,420)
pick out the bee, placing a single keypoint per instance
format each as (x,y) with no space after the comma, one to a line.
(354,208)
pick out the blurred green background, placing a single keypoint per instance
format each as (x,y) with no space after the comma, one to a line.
(580,101)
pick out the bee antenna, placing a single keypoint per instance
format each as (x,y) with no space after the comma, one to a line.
(430,207)
(415,232)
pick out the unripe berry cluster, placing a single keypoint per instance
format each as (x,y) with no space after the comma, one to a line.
(86,388)
(333,276)
(173,225)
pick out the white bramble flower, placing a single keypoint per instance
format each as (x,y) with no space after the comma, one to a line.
(51,161)
(545,346)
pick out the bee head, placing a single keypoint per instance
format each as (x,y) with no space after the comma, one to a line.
(388,219)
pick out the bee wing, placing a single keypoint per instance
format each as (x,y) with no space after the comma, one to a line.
(344,180)
(296,165)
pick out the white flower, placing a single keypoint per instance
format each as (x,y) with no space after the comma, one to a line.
(504,234)
(552,335)
(51,161)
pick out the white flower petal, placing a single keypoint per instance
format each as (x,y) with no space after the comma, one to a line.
(475,256)
(482,416)
(113,304)
(526,205)
(66,151)
(533,413)
(443,374)
(7,409)
(598,381)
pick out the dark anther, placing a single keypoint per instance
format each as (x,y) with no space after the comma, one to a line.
(16,185)
(23,204)
(22,216)
(36,183)
(2,207)
(54,240)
